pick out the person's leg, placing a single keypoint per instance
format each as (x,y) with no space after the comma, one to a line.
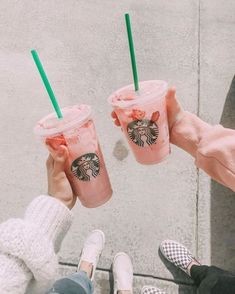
(208,279)
(213,280)
(77,283)
(225,285)
(200,272)
(81,282)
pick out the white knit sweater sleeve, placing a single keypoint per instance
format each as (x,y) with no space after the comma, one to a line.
(28,246)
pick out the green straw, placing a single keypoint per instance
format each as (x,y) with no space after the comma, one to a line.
(46,83)
(132,51)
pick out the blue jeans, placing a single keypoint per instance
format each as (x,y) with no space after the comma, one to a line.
(77,283)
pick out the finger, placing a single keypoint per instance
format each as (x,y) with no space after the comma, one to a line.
(50,149)
(51,144)
(171,93)
(55,152)
(50,163)
(60,158)
(171,100)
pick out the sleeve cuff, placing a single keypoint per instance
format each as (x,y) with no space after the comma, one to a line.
(51,217)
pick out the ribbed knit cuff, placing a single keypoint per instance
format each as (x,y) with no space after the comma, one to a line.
(51,217)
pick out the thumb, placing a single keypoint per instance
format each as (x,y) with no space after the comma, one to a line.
(174,109)
(170,95)
(59,159)
(172,102)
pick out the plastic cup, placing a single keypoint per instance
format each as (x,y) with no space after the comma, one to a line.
(85,167)
(143,119)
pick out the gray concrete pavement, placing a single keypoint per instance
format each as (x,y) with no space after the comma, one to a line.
(83,46)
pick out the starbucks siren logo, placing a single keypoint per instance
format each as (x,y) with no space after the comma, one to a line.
(143,132)
(86,167)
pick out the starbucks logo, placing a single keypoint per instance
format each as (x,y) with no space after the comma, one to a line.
(86,167)
(143,132)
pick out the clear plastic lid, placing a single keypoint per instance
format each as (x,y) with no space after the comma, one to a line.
(73,115)
(148,90)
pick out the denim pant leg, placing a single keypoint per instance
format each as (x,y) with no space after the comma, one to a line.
(77,283)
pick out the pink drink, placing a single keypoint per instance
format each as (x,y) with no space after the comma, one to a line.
(143,119)
(85,168)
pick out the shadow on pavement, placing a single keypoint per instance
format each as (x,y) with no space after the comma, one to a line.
(223,204)
(185,283)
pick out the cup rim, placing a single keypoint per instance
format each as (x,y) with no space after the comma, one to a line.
(42,132)
(131,103)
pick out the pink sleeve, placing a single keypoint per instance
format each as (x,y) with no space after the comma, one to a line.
(213,147)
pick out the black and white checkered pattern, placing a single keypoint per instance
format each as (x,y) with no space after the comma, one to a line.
(177,254)
(152,290)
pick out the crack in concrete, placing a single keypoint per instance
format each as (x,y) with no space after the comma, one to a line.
(135,275)
(198,113)
(199,59)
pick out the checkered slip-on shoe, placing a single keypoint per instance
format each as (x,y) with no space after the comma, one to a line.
(151,290)
(177,254)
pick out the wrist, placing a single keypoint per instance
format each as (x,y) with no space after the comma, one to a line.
(67,201)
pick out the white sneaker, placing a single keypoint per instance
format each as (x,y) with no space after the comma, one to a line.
(92,249)
(122,272)
(151,290)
